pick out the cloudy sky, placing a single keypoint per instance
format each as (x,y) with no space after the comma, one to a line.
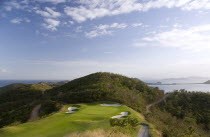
(65,39)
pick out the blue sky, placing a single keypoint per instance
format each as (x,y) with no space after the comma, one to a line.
(66,39)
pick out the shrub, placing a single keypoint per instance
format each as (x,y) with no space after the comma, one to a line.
(124,122)
(49,107)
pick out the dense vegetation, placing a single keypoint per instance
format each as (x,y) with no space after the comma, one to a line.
(91,116)
(106,86)
(11,87)
(183,114)
(16,104)
(193,107)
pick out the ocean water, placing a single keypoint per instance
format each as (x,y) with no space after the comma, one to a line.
(167,88)
(188,87)
(8,82)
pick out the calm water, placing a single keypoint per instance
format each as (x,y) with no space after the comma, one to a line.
(189,87)
(7,82)
(167,88)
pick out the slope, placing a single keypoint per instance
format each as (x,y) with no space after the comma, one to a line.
(88,117)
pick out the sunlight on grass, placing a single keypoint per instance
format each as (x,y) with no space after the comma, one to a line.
(88,117)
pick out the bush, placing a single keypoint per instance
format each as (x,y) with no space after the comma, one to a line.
(49,107)
(124,122)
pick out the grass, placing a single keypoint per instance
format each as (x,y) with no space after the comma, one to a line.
(88,117)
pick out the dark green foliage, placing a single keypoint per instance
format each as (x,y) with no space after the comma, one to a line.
(16,105)
(171,126)
(183,114)
(129,121)
(11,87)
(48,107)
(193,107)
(106,86)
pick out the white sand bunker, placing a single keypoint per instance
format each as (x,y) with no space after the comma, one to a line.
(115,105)
(70,110)
(120,116)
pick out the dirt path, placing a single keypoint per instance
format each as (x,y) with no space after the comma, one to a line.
(144,131)
(157,102)
(35,113)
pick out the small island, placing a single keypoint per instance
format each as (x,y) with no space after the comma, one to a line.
(207,82)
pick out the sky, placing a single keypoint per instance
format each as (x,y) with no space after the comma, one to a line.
(67,39)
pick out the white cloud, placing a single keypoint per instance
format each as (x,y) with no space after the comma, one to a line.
(16,21)
(96,33)
(104,29)
(118,26)
(53,1)
(51,24)
(78,29)
(49,13)
(99,8)
(197,4)
(194,38)
(137,24)
(12,5)
(20,20)
(71,22)
(27,20)
(3,70)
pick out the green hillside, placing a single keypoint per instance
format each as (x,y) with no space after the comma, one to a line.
(11,87)
(183,114)
(17,104)
(18,100)
(88,117)
(106,86)
(20,86)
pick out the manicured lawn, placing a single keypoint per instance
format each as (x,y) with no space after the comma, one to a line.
(88,117)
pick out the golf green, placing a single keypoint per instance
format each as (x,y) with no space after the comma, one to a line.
(88,117)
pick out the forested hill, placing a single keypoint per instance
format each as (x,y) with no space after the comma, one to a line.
(21,86)
(106,86)
(183,114)
(17,102)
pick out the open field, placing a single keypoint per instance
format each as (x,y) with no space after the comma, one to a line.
(88,117)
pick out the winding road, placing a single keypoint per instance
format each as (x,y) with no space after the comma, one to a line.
(35,113)
(144,131)
(156,102)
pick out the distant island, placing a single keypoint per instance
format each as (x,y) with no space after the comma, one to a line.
(207,82)
(160,83)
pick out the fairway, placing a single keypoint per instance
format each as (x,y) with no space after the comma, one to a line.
(88,117)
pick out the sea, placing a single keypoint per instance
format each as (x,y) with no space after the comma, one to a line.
(189,84)
(188,87)
(183,84)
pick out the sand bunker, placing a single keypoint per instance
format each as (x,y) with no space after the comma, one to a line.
(70,110)
(115,105)
(120,116)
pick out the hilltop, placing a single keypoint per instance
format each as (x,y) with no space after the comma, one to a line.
(21,86)
(10,87)
(187,112)
(106,86)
